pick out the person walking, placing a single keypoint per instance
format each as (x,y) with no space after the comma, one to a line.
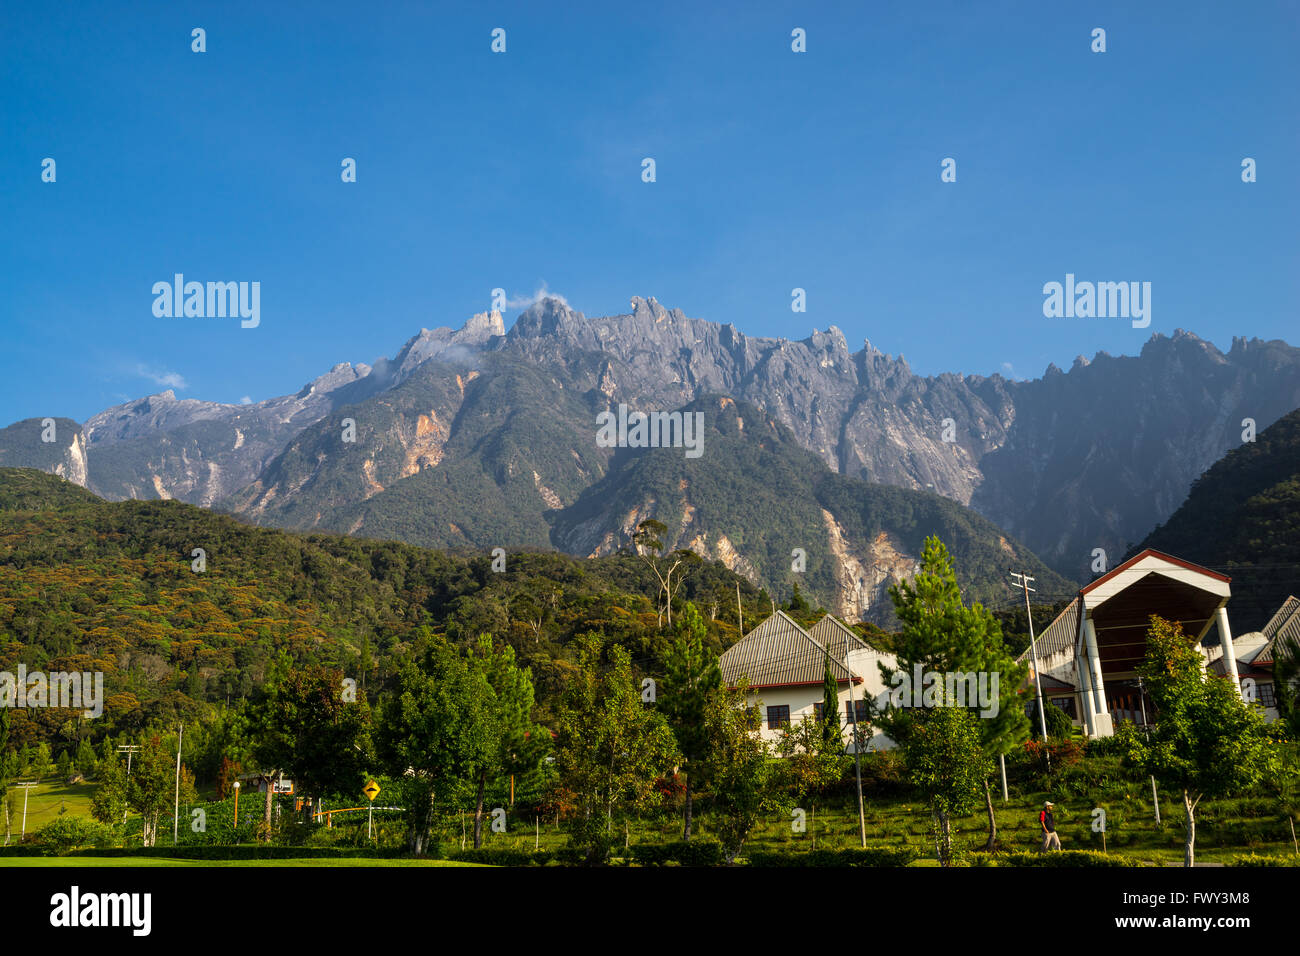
(1047,820)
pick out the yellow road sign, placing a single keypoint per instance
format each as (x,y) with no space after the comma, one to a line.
(371,790)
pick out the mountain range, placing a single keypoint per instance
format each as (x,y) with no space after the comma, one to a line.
(1243,517)
(478,437)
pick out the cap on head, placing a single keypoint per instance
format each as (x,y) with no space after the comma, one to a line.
(1049,803)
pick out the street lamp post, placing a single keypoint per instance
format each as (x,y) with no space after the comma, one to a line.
(236,820)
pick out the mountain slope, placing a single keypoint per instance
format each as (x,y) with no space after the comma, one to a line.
(454,456)
(1090,458)
(1243,516)
(754,496)
(87,584)
(1073,461)
(54,445)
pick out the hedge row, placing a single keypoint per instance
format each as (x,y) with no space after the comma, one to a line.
(210,852)
(1256,859)
(901,856)
(502,856)
(694,853)
(1052,858)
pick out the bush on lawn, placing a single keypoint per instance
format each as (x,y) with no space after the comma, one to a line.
(72,833)
(1257,859)
(883,856)
(1075,858)
(692,853)
(502,856)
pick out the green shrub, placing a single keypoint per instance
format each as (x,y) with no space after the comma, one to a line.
(1257,859)
(571,856)
(692,853)
(502,856)
(1103,746)
(901,856)
(883,774)
(260,851)
(1079,858)
(1059,725)
(72,833)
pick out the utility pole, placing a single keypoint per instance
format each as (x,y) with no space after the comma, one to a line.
(1155,798)
(176,810)
(740,615)
(857,757)
(129,749)
(1023,584)
(26,788)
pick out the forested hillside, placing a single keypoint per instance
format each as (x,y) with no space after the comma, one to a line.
(1243,517)
(92,585)
(756,495)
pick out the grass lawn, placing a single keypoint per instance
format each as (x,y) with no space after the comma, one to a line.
(1225,829)
(1253,823)
(91,861)
(45,802)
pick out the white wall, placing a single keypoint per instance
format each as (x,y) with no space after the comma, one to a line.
(801,700)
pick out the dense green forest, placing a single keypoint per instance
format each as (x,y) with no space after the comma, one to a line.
(89,585)
(1242,517)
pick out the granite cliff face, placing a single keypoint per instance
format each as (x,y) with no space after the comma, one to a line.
(54,445)
(200,452)
(1070,462)
(483,437)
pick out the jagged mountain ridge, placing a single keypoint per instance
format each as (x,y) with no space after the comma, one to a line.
(771,510)
(1073,461)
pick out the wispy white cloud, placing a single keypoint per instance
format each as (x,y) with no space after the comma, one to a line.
(169,379)
(524,301)
(245,401)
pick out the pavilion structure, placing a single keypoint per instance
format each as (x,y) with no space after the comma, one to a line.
(1088,657)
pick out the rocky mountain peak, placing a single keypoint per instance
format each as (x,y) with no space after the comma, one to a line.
(648,308)
(547,316)
(344,373)
(481,327)
(479,330)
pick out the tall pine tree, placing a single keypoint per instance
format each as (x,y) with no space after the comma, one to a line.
(830,704)
(691,677)
(945,637)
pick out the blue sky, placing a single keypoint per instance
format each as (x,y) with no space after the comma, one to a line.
(774,170)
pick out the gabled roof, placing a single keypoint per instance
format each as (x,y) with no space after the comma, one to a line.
(1063,633)
(778,653)
(837,637)
(1282,628)
(1058,636)
(1151,561)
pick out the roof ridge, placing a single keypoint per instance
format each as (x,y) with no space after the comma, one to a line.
(1152,552)
(843,627)
(783,621)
